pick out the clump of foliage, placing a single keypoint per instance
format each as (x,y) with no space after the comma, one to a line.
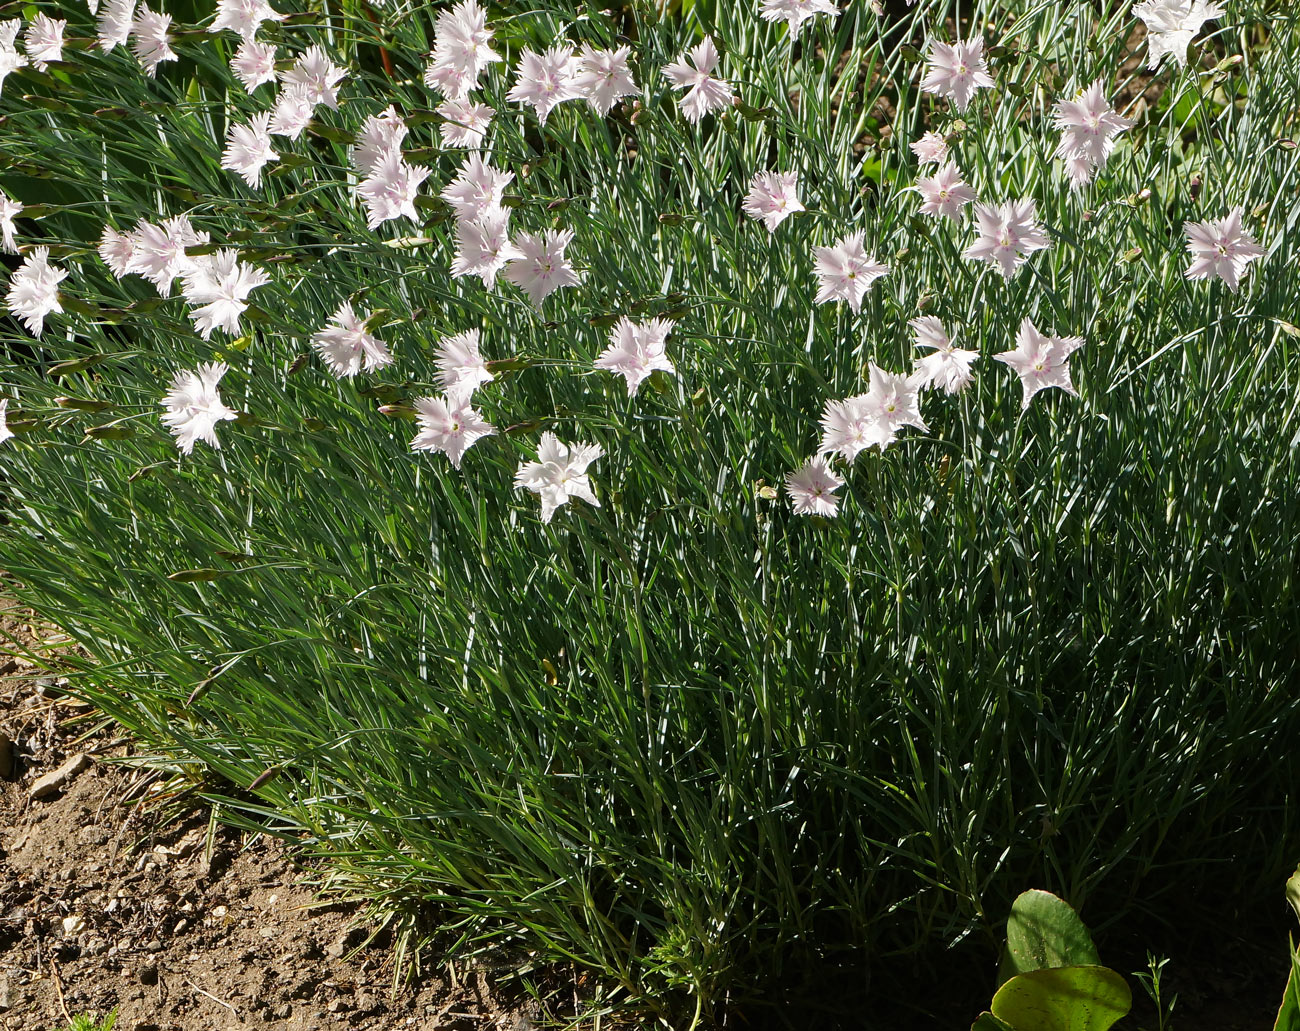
(691,739)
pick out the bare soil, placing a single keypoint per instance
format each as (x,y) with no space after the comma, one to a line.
(112,898)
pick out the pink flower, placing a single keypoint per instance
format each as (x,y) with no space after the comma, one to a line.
(157,252)
(812,488)
(637,351)
(546,79)
(483,247)
(538,265)
(796,12)
(773,197)
(1088,127)
(194,406)
(603,77)
(117,250)
(449,425)
(293,110)
(346,346)
(379,134)
(477,189)
(1221,248)
(946,366)
(462,50)
(466,122)
(1008,234)
(931,148)
(389,191)
(152,44)
(944,193)
(851,426)
(317,75)
(872,419)
(1039,360)
(44,41)
(254,64)
(248,148)
(845,271)
(243,16)
(956,71)
(704,93)
(560,473)
(461,369)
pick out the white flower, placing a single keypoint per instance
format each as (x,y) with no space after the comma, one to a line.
(118,251)
(194,406)
(845,271)
(956,71)
(5,431)
(248,148)
(114,25)
(243,16)
(461,369)
(346,346)
(1039,360)
(316,74)
(390,190)
(538,265)
(254,63)
(931,148)
(1221,248)
(773,197)
(796,12)
(545,79)
(704,93)
(293,110)
(34,290)
(483,246)
(462,50)
(1171,24)
(603,77)
(947,367)
(10,59)
(559,474)
(1008,234)
(872,419)
(156,252)
(637,351)
(450,425)
(1088,127)
(477,189)
(812,488)
(9,210)
(152,44)
(466,122)
(379,134)
(944,193)
(44,41)
(220,284)
(851,426)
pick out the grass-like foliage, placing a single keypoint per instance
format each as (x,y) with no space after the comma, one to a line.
(690,740)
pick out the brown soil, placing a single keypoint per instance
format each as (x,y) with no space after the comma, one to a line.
(109,897)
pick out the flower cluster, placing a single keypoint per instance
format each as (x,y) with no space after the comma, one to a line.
(216,283)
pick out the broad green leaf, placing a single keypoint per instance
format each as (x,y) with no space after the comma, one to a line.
(986,1021)
(1288,1014)
(1075,998)
(1293,891)
(1044,931)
